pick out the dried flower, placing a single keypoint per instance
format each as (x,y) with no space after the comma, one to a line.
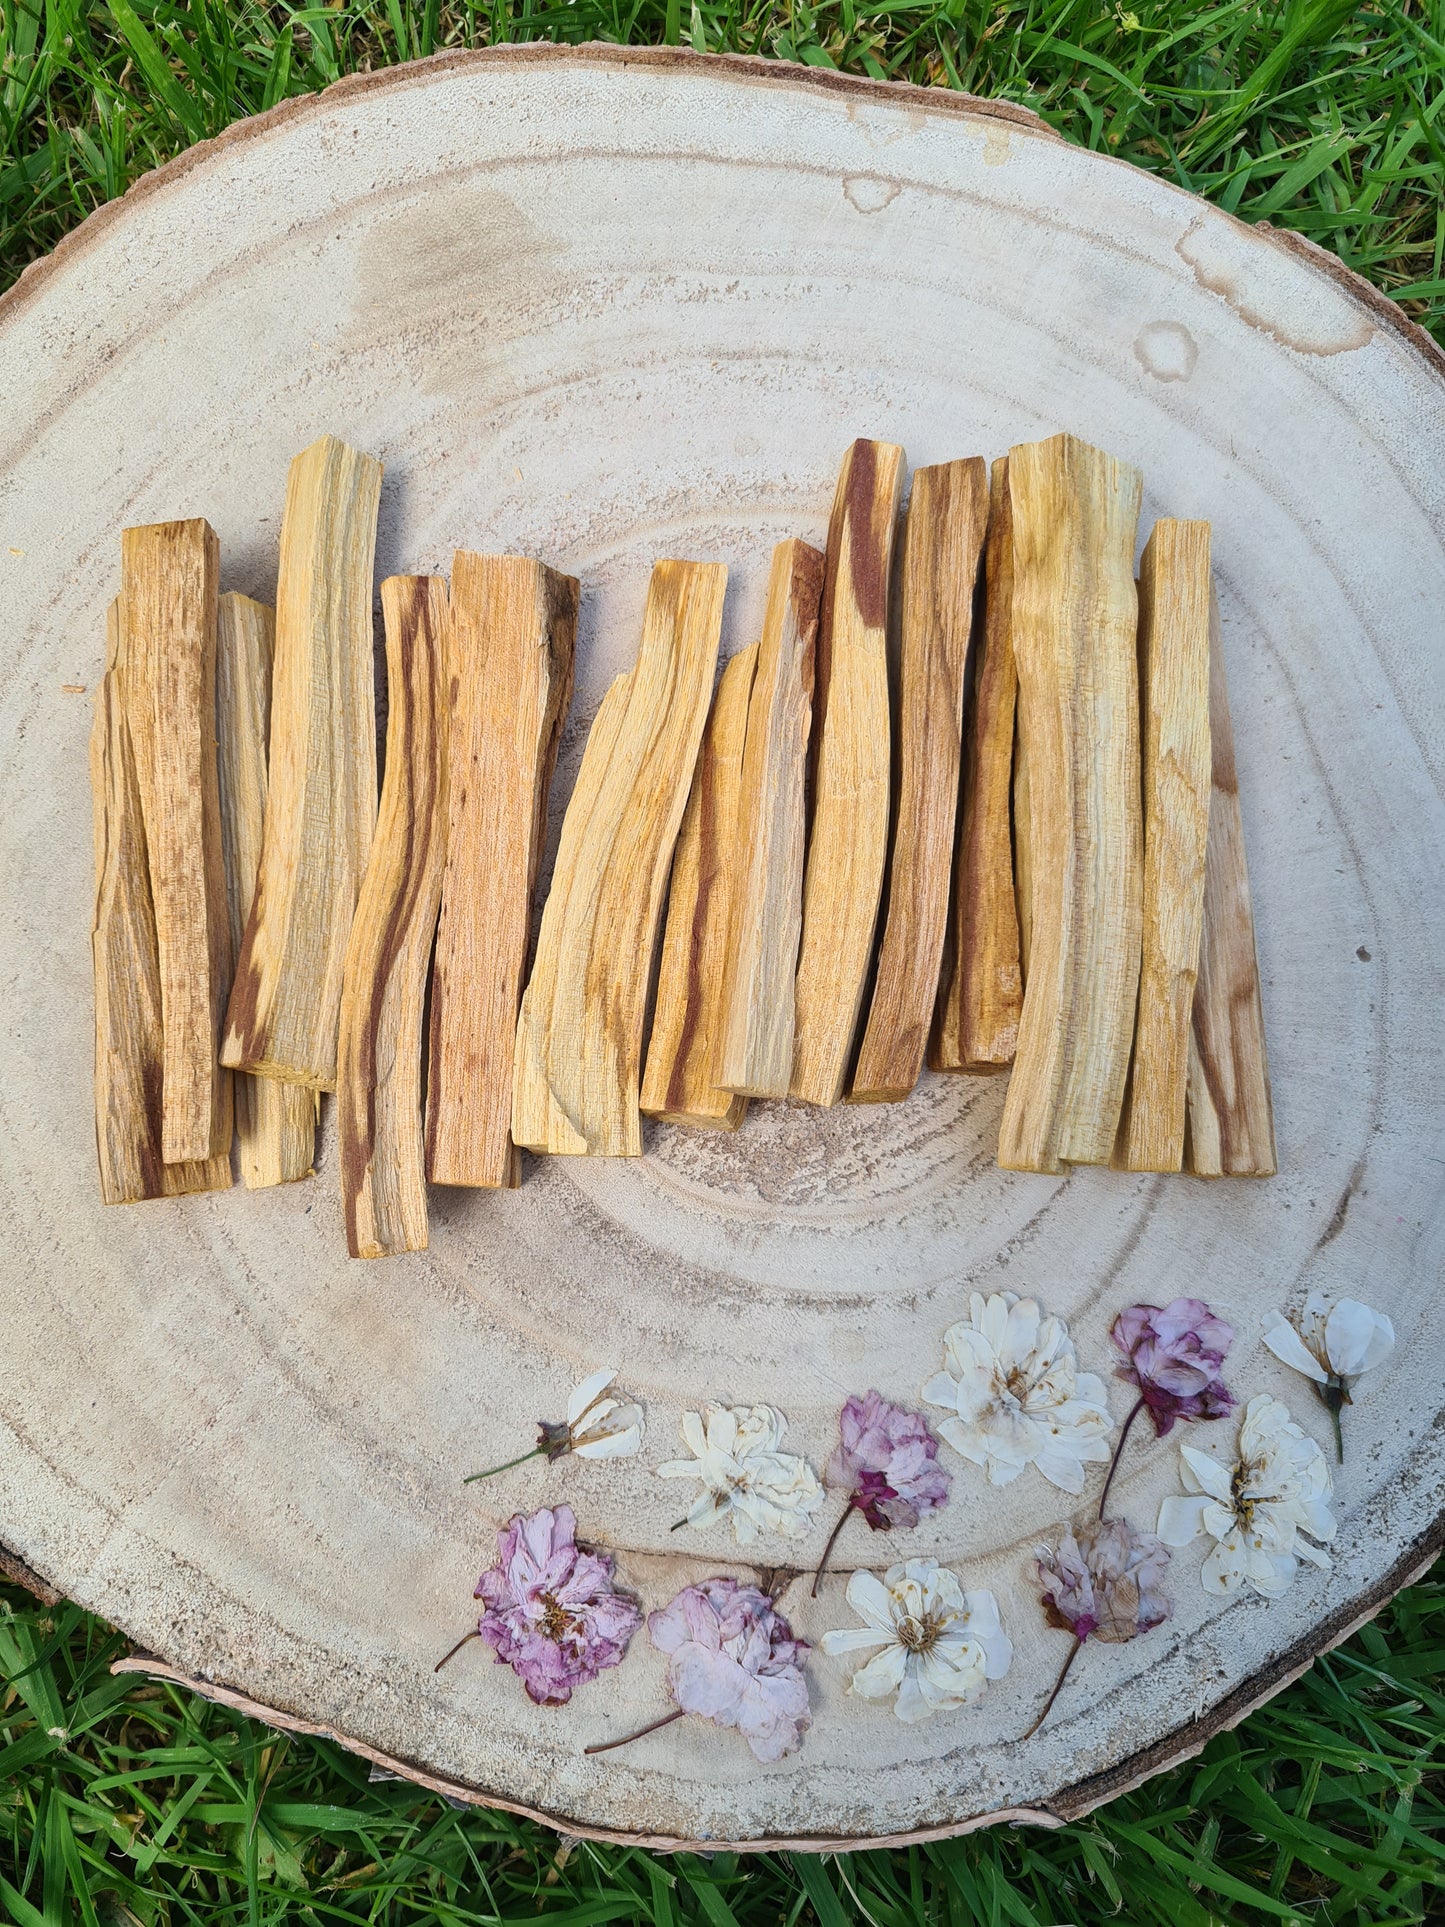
(940,1644)
(887,1462)
(1104,1582)
(732,1659)
(1258,1509)
(549,1611)
(1333,1346)
(594,1428)
(1172,1355)
(1012,1380)
(744,1474)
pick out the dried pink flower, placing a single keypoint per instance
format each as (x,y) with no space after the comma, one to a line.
(549,1608)
(1172,1354)
(1104,1582)
(733,1659)
(888,1461)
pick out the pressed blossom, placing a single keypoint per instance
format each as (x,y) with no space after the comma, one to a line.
(938,1645)
(887,1463)
(732,1659)
(596,1427)
(1263,1511)
(1333,1345)
(1016,1396)
(1171,1355)
(1105,1582)
(744,1474)
(549,1610)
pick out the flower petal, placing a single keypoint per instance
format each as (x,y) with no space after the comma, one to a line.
(591,1387)
(1357,1338)
(1209,1474)
(881,1676)
(1287,1345)
(1181,1520)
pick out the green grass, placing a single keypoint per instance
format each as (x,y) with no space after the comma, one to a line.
(1316,114)
(126,1801)
(121,1801)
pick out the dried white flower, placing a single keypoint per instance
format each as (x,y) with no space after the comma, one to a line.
(939,1643)
(598,1427)
(1258,1509)
(743,1472)
(1013,1383)
(1332,1346)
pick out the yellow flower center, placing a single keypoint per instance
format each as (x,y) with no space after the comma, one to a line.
(919,1635)
(557,1622)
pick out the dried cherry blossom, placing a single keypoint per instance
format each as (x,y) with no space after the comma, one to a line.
(596,1427)
(744,1474)
(939,1644)
(1171,1354)
(1104,1581)
(1333,1345)
(887,1463)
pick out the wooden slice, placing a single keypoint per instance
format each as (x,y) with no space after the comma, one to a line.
(648,300)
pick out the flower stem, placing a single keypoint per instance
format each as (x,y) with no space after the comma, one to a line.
(473,1634)
(492,1471)
(1118,1454)
(606,1746)
(1058,1686)
(1334,1397)
(678,1524)
(832,1541)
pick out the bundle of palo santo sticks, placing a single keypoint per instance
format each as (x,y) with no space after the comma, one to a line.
(974,799)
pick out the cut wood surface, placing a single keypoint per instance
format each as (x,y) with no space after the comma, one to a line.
(378,1092)
(681,1083)
(1174,706)
(579,1037)
(848,825)
(128,1049)
(275,1122)
(759,1000)
(1075,620)
(511,642)
(321,804)
(981,996)
(943,535)
(1231,1110)
(1023,868)
(169,581)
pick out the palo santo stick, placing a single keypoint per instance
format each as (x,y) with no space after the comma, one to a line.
(1023,869)
(579,1035)
(127,972)
(947,515)
(378,1091)
(848,843)
(1231,1116)
(756,1057)
(513,632)
(681,1081)
(169,574)
(321,805)
(1075,623)
(977,1025)
(1174,692)
(275,1123)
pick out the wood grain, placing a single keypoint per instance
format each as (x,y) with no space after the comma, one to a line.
(848,828)
(126,966)
(578,1056)
(981,996)
(169,580)
(942,541)
(321,805)
(378,1092)
(681,1084)
(1231,1110)
(512,641)
(275,1122)
(1075,619)
(1174,704)
(759,1003)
